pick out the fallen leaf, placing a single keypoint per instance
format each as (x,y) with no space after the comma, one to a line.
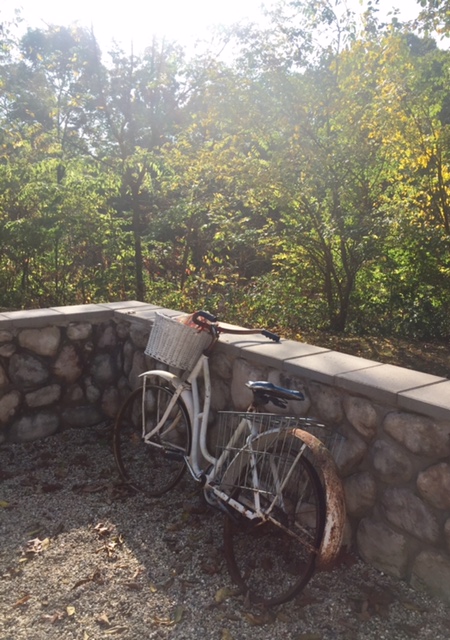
(103,529)
(211,568)
(36,546)
(90,488)
(22,600)
(266,617)
(175,526)
(283,617)
(70,611)
(103,620)
(163,585)
(111,547)
(364,616)
(223,593)
(411,631)
(54,617)
(175,619)
(95,577)
(50,488)
(162,621)
(412,606)
(81,582)
(4,504)
(178,613)
(226,635)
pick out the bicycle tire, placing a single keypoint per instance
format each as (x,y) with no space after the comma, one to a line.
(152,469)
(274,560)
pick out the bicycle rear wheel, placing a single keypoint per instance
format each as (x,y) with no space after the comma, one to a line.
(151,467)
(274,559)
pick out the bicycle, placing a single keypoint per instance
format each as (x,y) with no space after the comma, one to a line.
(275,480)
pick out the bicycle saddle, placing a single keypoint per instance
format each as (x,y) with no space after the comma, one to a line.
(265,392)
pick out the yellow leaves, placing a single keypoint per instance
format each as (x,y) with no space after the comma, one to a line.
(223,594)
(172,620)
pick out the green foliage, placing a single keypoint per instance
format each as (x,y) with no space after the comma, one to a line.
(305,184)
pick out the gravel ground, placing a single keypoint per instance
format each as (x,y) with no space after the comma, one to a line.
(81,558)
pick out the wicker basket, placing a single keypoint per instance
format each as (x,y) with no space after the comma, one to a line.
(175,343)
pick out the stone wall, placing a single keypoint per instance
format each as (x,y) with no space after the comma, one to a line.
(71,366)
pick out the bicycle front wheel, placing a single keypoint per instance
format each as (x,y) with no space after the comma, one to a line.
(274,558)
(151,467)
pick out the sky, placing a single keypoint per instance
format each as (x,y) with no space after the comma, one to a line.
(135,21)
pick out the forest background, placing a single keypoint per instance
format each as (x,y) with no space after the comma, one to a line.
(302,183)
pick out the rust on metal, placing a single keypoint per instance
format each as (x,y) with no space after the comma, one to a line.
(335,501)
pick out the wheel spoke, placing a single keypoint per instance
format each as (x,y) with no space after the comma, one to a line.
(142,462)
(273,560)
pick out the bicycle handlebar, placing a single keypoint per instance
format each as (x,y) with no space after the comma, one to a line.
(203,314)
(215,329)
(269,334)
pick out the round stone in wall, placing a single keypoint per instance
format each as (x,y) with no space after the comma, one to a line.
(362,416)
(419,434)
(3,377)
(242,372)
(103,370)
(391,463)
(353,450)
(360,493)
(431,572)
(44,396)
(139,335)
(8,405)
(447,533)
(5,336)
(108,339)
(328,402)
(33,427)
(68,365)
(434,485)
(79,331)
(383,548)
(406,511)
(26,370)
(44,342)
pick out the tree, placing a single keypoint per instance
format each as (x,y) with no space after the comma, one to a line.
(137,112)
(435,15)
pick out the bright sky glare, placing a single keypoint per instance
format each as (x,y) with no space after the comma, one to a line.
(135,21)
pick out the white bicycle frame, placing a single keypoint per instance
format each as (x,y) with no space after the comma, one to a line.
(198,416)
(188,391)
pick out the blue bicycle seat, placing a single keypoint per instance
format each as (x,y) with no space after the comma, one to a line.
(273,391)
